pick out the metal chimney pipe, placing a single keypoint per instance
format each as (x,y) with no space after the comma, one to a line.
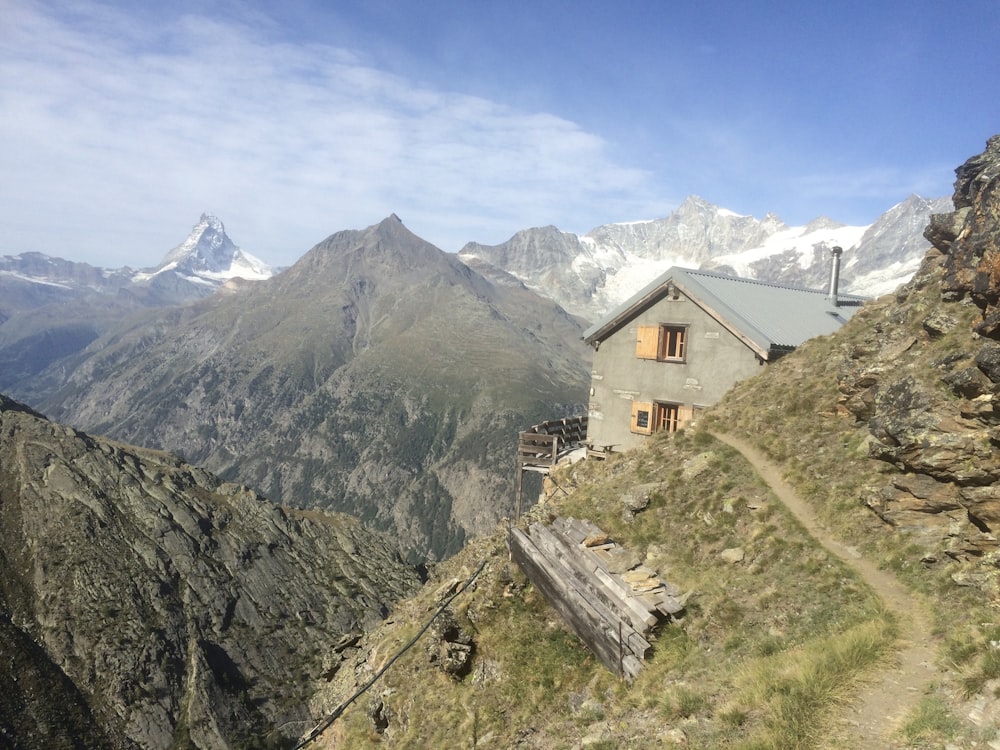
(835,253)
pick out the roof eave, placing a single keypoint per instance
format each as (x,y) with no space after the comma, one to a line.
(629,309)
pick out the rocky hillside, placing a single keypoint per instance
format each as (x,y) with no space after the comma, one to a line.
(593,273)
(378,376)
(886,429)
(931,395)
(144,603)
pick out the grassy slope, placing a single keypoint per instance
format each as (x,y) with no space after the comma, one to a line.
(766,649)
(769,649)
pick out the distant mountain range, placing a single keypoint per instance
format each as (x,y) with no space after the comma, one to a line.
(590,274)
(378,375)
(50,307)
(587,274)
(206,260)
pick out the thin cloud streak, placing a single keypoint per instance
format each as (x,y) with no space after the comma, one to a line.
(140,130)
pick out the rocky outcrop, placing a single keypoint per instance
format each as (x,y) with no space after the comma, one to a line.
(925,375)
(970,237)
(145,603)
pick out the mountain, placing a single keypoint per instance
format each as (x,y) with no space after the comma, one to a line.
(208,257)
(51,308)
(378,376)
(590,274)
(871,626)
(206,260)
(146,603)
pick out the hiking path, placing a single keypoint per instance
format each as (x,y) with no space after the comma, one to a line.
(871,720)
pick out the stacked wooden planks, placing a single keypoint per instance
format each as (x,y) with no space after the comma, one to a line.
(579,570)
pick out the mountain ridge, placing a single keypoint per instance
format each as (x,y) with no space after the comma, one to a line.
(184,610)
(593,273)
(378,375)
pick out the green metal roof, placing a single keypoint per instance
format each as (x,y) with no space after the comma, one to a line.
(770,318)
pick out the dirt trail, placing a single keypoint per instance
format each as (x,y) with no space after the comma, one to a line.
(883,704)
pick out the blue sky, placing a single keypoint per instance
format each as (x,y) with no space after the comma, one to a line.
(121,122)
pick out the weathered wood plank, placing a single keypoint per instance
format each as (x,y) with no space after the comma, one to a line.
(669,605)
(589,619)
(572,578)
(615,594)
(642,605)
(610,614)
(574,610)
(576,529)
(637,610)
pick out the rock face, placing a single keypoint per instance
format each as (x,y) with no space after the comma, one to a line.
(145,603)
(927,377)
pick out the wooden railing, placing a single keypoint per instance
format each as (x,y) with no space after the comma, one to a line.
(542,446)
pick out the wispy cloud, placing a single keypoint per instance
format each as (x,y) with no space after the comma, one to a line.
(110,122)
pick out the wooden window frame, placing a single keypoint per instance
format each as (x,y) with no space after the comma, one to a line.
(666,416)
(666,342)
(650,417)
(673,343)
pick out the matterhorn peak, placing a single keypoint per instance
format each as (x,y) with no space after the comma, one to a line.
(208,247)
(209,256)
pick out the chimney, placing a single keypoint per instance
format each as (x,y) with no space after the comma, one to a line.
(835,253)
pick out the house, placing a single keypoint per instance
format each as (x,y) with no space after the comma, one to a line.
(680,343)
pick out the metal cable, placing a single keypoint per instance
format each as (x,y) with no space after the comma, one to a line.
(337,712)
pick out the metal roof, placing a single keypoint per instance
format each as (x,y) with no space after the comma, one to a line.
(767,317)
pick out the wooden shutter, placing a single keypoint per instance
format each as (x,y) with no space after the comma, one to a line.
(647,344)
(642,417)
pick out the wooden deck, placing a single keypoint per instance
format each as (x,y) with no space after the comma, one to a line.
(579,571)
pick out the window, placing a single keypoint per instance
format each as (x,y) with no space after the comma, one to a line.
(658,416)
(664,343)
(667,417)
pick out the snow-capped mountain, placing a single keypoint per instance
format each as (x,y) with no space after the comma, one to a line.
(205,261)
(590,274)
(51,307)
(208,256)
